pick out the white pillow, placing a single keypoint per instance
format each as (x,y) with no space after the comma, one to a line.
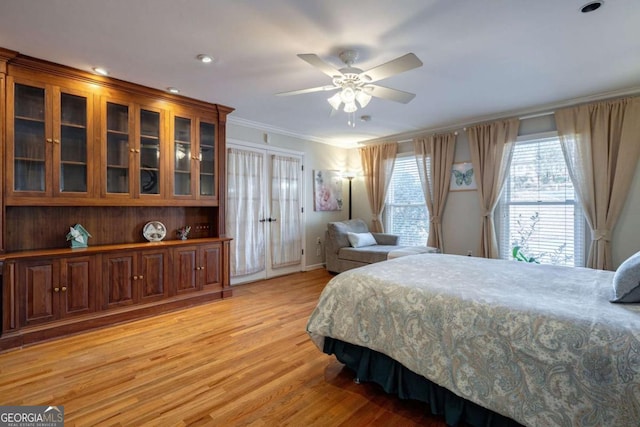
(359,240)
(626,281)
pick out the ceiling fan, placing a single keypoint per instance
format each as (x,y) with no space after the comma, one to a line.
(355,85)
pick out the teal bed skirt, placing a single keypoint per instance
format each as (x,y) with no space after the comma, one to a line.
(394,378)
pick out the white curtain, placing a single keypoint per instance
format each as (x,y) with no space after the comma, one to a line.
(285,208)
(245,172)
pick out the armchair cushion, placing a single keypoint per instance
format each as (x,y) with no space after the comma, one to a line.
(386,239)
(338,231)
(359,240)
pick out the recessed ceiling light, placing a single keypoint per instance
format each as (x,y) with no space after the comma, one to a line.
(101,71)
(173,90)
(204,58)
(591,6)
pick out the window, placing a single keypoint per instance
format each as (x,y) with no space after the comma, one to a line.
(405,212)
(540,210)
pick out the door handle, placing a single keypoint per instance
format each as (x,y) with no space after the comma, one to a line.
(262,220)
(272,219)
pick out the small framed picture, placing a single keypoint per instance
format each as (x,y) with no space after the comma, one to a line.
(462,177)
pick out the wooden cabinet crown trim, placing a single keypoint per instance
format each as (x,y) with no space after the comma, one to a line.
(19,61)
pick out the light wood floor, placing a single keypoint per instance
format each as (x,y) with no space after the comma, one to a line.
(244,361)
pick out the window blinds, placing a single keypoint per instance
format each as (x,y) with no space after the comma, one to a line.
(540,212)
(405,210)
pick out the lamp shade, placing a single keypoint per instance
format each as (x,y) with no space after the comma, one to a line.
(350,107)
(335,101)
(363,98)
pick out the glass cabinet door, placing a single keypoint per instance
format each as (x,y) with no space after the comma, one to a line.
(73,143)
(30,144)
(117,148)
(183,144)
(149,152)
(207,159)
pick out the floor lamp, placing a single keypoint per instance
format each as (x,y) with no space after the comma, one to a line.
(350,177)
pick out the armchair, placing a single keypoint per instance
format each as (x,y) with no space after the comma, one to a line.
(340,255)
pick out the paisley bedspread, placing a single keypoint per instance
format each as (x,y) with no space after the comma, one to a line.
(540,344)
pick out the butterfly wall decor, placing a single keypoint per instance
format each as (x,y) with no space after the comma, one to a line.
(462,177)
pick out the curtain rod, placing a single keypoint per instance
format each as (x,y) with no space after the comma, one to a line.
(464,128)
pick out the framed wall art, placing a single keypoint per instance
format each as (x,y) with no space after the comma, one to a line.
(462,177)
(327,190)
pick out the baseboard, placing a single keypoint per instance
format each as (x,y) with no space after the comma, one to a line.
(314,267)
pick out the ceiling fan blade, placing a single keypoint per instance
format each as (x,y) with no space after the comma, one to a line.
(390,94)
(315,61)
(393,67)
(310,90)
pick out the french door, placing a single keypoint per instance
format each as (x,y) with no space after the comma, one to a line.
(264,212)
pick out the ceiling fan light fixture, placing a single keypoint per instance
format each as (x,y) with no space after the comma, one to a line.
(348,95)
(350,107)
(362,97)
(335,101)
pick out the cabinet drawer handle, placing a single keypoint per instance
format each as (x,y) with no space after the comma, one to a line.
(140,277)
(135,277)
(57,141)
(132,150)
(56,289)
(64,289)
(137,150)
(49,140)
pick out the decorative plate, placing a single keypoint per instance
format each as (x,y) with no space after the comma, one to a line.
(154,231)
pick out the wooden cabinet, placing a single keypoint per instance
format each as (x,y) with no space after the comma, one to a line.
(133,153)
(73,136)
(195,174)
(49,140)
(112,156)
(56,292)
(197,268)
(52,289)
(135,277)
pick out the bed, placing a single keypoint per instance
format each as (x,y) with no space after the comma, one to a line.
(528,344)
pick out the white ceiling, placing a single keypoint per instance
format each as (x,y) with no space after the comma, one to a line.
(481,58)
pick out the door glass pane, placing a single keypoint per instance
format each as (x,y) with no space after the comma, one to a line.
(207,159)
(117,148)
(73,143)
(29,139)
(149,152)
(182,144)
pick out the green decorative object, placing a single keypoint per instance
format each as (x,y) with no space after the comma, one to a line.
(79,236)
(518,255)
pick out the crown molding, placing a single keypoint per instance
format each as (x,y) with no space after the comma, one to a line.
(526,113)
(273,129)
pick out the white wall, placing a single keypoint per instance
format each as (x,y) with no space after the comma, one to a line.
(462,216)
(316,156)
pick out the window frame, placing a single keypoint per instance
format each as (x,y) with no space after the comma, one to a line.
(502,226)
(388,206)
